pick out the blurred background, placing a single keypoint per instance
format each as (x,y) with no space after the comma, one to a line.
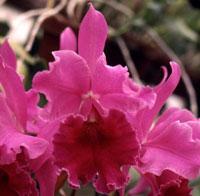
(143,34)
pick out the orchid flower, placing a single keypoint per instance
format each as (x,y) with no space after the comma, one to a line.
(16,140)
(100,121)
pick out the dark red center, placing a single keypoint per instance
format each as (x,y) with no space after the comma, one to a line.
(93,134)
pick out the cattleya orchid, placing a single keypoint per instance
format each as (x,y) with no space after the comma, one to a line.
(96,125)
(76,83)
(166,164)
(21,154)
(163,152)
(90,143)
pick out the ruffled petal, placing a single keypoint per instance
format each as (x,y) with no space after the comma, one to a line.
(65,83)
(98,146)
(108,84)
(169,116)
(172,147)
(71,156)
(15,142)
(121,152)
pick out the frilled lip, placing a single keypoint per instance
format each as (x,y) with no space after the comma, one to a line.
(96,149)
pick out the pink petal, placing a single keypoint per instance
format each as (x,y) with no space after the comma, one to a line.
(33,99)
(15,94)
(47,132)
(68,40)
(107,79)
(15,142)
(8,55)
(65,83)
(163,91)
(147,98)
(6,114)
(34,121)
(120,101)
(162,151)
(131,86)
(169,116)
(195,125)
(92,36)
(108,83)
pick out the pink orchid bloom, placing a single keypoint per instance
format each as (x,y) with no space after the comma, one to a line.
(95,150)
(14,116)
(76,82)
(160,149)
(167,184)
(15,137)
(79,81)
